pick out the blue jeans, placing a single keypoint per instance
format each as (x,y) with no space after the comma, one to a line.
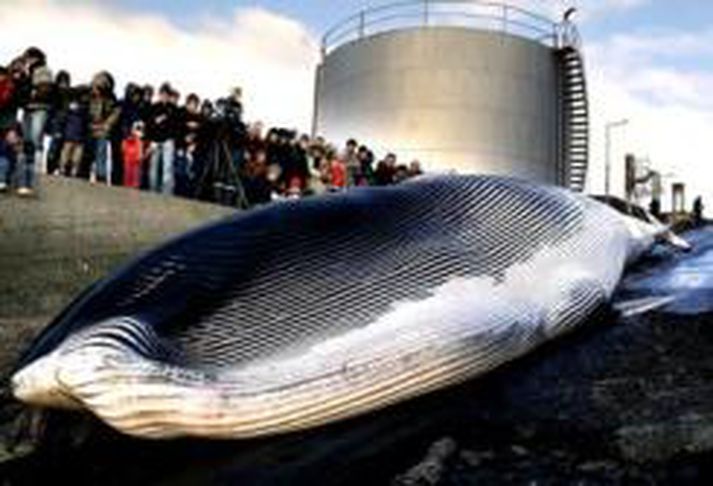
(101,157)
(4,170)
(4,161)
(180,175)
(33,130)
(161,171)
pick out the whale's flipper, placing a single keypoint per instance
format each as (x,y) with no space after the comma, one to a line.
(635,307)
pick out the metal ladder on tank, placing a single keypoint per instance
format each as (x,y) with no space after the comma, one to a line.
(575,106)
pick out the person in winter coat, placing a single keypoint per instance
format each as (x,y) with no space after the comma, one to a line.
(9,134)
(131,110)
(350,158)
(190,125)
(74,131)
(104,112)
(58,117)
(337,172)
(161,131)
(366,161)
(385,171)
(36,100)
(135,152)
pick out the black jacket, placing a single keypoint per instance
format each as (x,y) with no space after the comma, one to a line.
(162,124)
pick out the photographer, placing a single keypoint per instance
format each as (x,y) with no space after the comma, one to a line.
(230,110)
(190,128)
(296,166)
(221,148)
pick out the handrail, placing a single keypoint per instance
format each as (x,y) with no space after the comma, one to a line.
(509,19)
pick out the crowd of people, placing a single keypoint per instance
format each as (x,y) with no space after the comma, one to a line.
(149,140)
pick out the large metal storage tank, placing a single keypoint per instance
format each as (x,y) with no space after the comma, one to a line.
(470,86)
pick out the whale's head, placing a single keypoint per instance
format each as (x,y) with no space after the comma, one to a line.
(39,384)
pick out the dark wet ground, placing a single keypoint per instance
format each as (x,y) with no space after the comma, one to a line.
(622,401)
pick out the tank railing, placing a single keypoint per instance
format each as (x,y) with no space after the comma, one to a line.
(569,35)
(494,16)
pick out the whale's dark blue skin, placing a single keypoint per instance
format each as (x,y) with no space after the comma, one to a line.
(306,312)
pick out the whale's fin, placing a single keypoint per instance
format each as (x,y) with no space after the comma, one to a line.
(635,307)
(676,241)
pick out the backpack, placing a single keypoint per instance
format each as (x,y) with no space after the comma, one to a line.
(7,92)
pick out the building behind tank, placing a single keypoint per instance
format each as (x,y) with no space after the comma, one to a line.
(475,87)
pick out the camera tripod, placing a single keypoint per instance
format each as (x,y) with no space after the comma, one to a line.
(220,181)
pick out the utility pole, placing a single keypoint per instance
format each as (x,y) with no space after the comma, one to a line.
(607,168)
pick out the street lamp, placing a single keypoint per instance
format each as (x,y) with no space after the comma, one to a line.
(607,168)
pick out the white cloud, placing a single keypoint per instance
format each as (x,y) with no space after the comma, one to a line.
(272,57)
(670,111)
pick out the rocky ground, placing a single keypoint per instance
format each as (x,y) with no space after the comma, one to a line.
(626,400)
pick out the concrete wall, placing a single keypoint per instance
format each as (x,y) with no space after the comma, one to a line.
(52,247)
(455,98)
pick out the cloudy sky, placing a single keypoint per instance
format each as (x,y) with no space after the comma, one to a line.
(650,61)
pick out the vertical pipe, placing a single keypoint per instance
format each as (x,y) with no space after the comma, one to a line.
(607,164)
(505,18)
(315,101)
(362,24)
(425,13)
(555,37)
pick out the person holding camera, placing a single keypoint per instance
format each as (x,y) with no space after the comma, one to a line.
(190,128)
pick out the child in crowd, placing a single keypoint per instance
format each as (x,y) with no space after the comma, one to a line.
(135,153)
(338,173)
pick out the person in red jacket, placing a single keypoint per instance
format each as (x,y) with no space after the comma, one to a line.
(338,172)
(134,150)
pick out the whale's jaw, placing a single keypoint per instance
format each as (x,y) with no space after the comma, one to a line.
(38,385)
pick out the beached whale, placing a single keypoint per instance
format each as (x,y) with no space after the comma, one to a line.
(304,313)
